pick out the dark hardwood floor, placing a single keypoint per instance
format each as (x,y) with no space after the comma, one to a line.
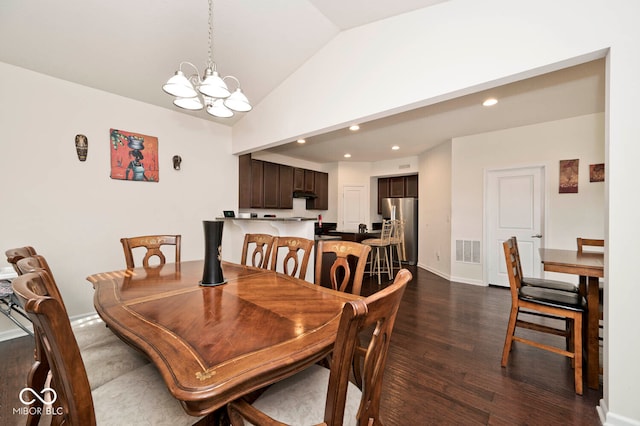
(443,366)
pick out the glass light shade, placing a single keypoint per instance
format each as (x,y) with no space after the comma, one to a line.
(179,86)
(193,104)
(213,86)
(217,109)
(238,101)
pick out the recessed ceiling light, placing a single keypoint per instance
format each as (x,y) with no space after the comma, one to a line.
(347,156)
(301,141)
(490,102)
(395,147)
(354,127)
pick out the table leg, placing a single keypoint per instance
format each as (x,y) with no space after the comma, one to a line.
(593,346)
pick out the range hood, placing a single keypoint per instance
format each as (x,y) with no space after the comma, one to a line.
(304,194)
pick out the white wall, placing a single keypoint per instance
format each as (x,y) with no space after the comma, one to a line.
(462,46)
(72,212)
(434,224)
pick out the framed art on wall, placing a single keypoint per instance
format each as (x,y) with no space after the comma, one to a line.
(134,156)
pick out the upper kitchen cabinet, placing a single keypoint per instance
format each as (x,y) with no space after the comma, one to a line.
(266,185)
(321,189)
(397,187)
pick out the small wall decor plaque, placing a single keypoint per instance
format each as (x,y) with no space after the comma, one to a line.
(568,176)
(134,156)
(596,172)
(82,147)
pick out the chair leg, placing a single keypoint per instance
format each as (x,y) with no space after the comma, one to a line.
(511,328)
(387,251)
(577,352)
(378,264)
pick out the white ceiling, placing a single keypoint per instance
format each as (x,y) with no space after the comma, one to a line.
(130,48)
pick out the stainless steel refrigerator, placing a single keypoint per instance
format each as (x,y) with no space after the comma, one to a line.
(405,209)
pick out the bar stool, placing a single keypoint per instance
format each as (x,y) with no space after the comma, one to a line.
(382,244)
(397,243)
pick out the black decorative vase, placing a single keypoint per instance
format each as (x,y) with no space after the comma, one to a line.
(212,274)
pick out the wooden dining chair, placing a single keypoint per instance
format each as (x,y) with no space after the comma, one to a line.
(540,282)
(592,242)
(153,244)
(139,396)
(105,356)
(588,242)
(15,254)
(261,245)
(319,394)
(549,303)
(341,275)
(296,259)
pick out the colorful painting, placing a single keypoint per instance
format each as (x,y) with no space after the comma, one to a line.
(596,172)
(568,176)
(134,156)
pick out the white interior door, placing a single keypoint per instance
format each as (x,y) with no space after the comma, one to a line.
(353,207)
(515,207)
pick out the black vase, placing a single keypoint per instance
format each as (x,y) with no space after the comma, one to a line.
(212,274)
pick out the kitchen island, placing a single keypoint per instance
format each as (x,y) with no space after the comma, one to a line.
(235,229)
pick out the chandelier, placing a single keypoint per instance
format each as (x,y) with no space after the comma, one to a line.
(211,92)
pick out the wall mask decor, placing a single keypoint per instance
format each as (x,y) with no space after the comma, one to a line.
(177,160)
(134,156)
(82,147)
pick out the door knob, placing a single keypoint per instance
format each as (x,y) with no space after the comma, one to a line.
(537,236)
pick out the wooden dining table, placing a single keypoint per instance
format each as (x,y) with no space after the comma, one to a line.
(215,344)
(589,266)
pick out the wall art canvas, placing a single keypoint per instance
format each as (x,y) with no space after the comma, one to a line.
(134,156)
(596,172)
(568,176)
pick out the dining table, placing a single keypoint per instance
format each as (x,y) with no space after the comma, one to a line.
(214,344)
(590,267)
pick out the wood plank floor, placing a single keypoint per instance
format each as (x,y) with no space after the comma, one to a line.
(443,366)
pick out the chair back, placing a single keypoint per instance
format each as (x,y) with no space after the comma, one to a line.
(261,244)
(73,404)
(387,231)
(340,273)
(514,269)
(376,314)
(39,263)
(152,243)
(588,242)
(15,254)
(292,262)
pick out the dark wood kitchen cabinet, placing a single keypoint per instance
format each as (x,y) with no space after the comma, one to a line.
(266,185)
(285,189)
(298,179)
(397,187)
(271,184)
(321,189)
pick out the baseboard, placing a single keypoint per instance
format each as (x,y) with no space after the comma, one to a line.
(464,280)
(76,321)
(607,418)
(434,271)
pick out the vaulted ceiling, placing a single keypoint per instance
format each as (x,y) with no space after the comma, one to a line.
(130,48)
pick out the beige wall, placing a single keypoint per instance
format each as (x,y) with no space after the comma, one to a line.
(71,211)
(567,215)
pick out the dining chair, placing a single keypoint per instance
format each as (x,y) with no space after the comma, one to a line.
(397,242)
(261,244)
(341,275)
(592,242)
(104,354)
(318,394)
(566,306)
(15,254)
(380,246)
(292,262)
(540,282)
(153,244)
(132,398)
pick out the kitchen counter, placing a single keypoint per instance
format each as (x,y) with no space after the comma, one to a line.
(354,235)
(277,219)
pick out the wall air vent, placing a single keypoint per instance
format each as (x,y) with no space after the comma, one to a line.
(468,251)
(404,166)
